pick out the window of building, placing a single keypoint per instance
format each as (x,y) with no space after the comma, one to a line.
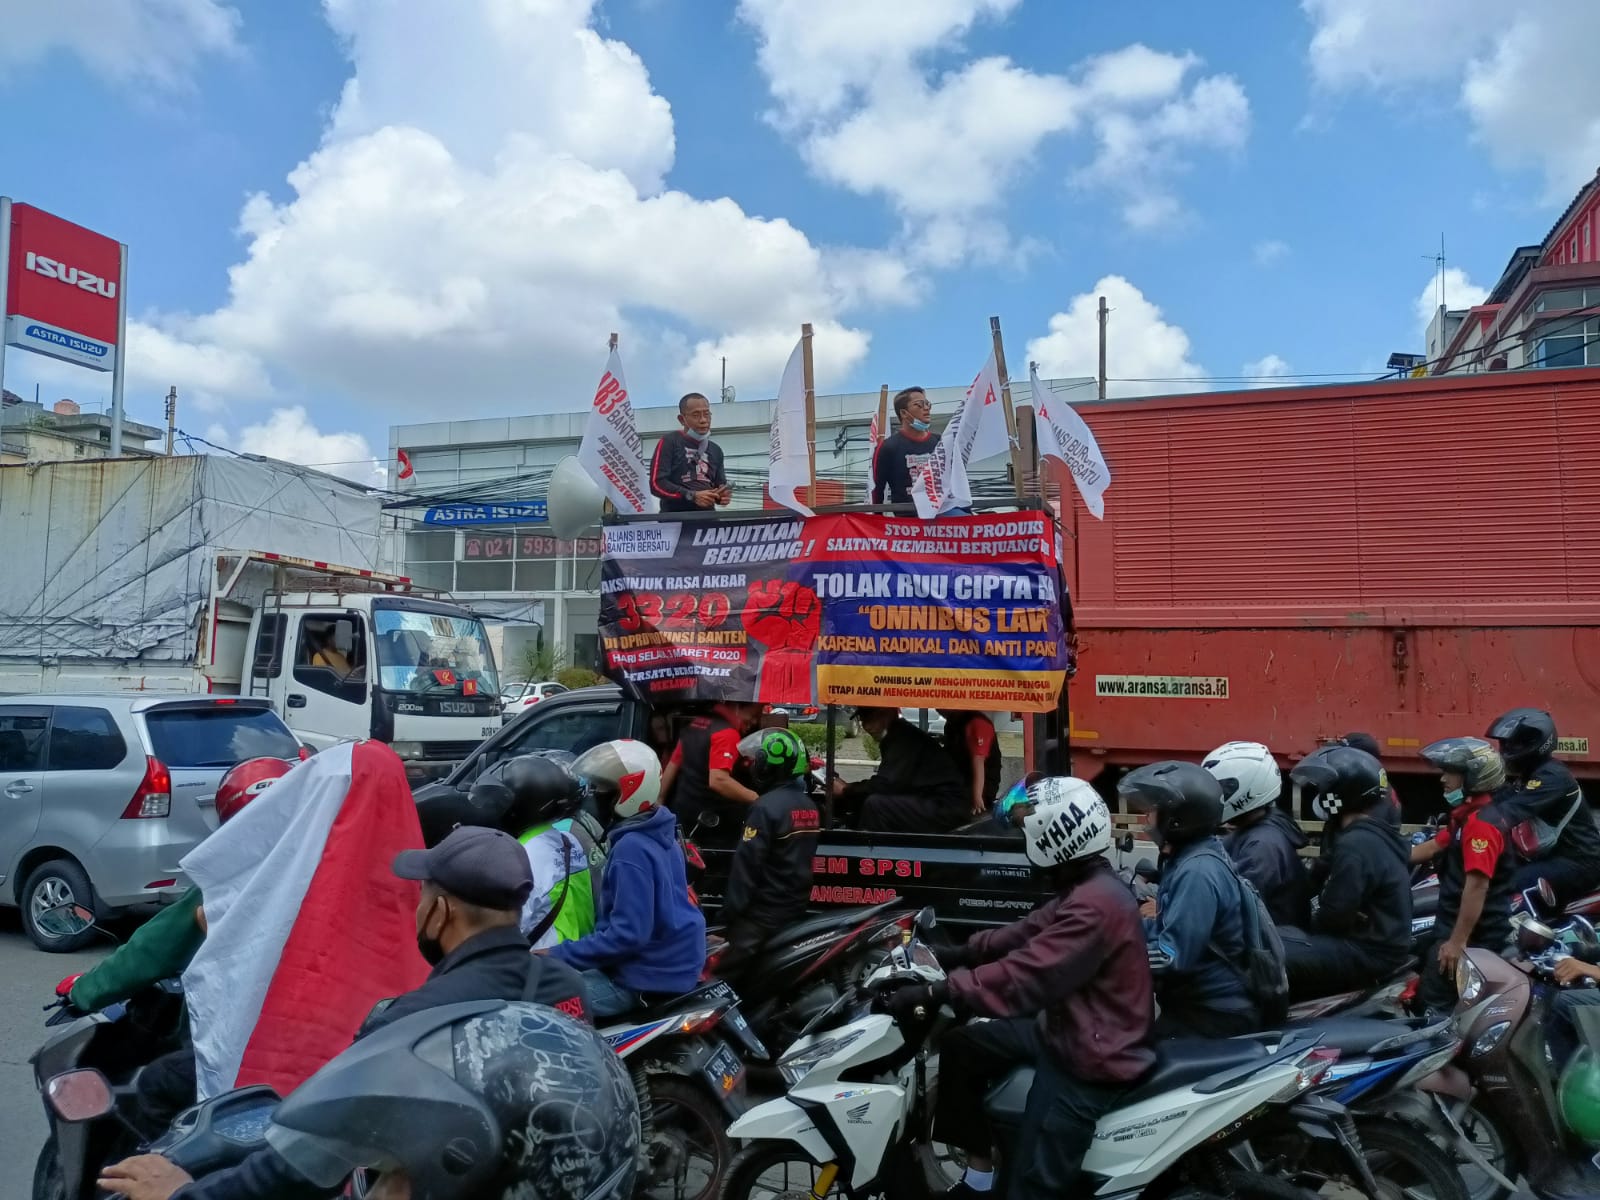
(1559,300)
(431,546)
(542,576)
(433,575)
(1572,249)
(1566,350)
(483,576)
(85,739)
(1588,238)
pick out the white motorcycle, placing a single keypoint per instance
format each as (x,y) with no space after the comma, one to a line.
(856,1120)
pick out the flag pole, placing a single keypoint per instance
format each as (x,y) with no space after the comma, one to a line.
(811,412)
(1005,403)
(883,411)
(612,345)
(606,507)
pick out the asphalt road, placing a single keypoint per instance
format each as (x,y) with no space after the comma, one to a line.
(28,978)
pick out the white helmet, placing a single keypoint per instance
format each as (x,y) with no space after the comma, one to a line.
(1249,777)
(625,773)
(1068,820)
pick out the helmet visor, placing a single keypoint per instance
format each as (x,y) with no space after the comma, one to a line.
(749,747)
(326,1161)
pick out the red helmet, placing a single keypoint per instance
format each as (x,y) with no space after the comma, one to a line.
(245,782)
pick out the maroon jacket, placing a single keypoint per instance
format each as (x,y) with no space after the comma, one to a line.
(1079,961)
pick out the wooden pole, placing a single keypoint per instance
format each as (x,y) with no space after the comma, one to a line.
(612,345)
(811,411)
(1005,402)
(883,432)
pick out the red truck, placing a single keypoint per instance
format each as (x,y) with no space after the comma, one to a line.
(1404,557)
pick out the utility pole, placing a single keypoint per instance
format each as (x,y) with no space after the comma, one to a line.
(172,416)
(1102,376)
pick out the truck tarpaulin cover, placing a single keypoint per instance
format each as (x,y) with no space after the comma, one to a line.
(962,612)
(115,559)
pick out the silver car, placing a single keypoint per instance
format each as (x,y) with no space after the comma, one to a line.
(101,796)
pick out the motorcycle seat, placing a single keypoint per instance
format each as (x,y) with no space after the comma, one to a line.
(654,1005)
(1179,1062)
(1359,1035)
(839,918)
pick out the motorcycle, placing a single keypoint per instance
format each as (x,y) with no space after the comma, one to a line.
(860,1091)
(687,1056)
(802,970)
(114,1044)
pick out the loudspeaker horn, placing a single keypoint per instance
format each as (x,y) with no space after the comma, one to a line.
(574,501)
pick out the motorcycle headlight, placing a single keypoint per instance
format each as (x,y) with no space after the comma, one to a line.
(1489,1038)
(1469,980)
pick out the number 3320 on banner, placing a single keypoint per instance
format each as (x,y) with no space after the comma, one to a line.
(679,610)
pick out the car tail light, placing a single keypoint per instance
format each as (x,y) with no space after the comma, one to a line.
(224,700)
(154,795)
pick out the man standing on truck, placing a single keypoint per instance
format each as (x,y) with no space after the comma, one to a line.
(701,772)
(1554,828)
(686,471)
(970,740)
(1475,864)
(907,448)
(916,788)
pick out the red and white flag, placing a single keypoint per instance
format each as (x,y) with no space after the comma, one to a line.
(976,432)
(306,925)
(611,451)
(788,453)
(1061,434)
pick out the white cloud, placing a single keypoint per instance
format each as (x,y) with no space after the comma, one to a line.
(1265,371)
(1269,252)
(1524,77)
(858,89)
(157,42)
(205,374)
(1459,292)
(289,434)
(474,240)
(1141,344)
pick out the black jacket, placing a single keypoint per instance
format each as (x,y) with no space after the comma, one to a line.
(955,744)
(769,884)
(1367,897)
(891,466)
(1549,792)
(912,763)
(496,965)
(1267,854)
(1493,929)
(681,467)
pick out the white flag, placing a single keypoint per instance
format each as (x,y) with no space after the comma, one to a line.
(788,456)
(610,451)
(941,483)
(874,440)
(1062,435)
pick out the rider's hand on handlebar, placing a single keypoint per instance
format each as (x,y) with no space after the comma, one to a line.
(64,988)
(144,1177)
(1571,970)
(915,1001)
(951,957)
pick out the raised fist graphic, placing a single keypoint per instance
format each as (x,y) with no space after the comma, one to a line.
(785,617)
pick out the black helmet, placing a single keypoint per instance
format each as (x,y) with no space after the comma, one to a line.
(1346,779)
(525,791)
(1476,760)
(1187,799)
(477,1101)
(775,757)
(1527,737)
(1362,741)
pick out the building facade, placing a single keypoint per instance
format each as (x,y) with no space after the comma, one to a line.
(1543,312)
(474,519)
(29,432)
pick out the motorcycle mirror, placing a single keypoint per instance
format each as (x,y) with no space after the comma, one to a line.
(83,1095)
(1547,895)
(1584,928)
(1534,937)
(926,921)
(1145,869)
(1126,844)
(709,819)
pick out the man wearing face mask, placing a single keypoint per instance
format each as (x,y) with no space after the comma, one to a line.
(474,884)
(686,472)
(903,451)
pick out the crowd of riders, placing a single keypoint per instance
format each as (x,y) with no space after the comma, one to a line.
(571,893)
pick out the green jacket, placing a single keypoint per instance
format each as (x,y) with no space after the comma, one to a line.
(159,949)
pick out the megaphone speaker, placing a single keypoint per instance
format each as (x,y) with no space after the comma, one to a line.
(575,499)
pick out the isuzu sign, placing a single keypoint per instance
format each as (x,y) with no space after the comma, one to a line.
(63,291)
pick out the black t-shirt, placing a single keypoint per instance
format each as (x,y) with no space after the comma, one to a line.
(898,456)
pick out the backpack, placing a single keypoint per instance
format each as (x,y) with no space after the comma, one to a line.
(1264,971)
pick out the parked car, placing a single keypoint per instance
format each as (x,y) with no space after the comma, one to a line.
(518,698)
(845,723)
(101,796)
(935,720)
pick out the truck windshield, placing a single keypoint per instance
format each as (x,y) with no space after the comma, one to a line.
(423,652)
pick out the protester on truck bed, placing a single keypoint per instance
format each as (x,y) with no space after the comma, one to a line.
(916,788)
(907,448)
(698,777)
(686,472)
(970,740)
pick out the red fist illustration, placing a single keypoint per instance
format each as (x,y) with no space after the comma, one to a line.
(785,617)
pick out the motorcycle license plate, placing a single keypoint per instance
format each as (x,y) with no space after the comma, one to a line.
(724,1072)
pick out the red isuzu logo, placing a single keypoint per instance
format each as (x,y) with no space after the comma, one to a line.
(63,288)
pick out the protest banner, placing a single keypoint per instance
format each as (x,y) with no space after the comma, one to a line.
(611,452)
(963,612)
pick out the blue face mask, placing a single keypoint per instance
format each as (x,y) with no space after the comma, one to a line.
(1454,798)
(921,426)
(695,435)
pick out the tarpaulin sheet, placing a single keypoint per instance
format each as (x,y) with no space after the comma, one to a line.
(113,559)
(962,612)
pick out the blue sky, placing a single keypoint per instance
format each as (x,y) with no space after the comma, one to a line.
(347,214)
